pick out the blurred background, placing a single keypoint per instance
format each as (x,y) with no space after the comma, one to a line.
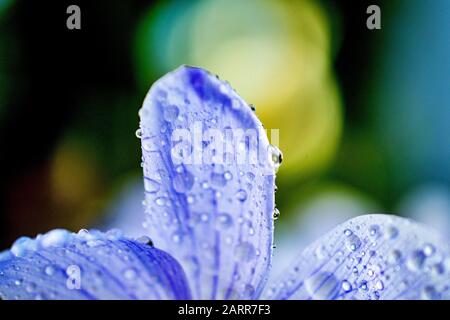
(364,115)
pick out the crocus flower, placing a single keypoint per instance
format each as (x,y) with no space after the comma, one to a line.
(211,222)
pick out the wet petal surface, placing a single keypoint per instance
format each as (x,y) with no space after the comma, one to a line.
(89,265)
(370,257)
(209,183)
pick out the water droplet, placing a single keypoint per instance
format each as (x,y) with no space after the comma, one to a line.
(190,199)
(139,133)
(379,285)
(145,240)
(276,214)
(275,157)
(352,242)
(394,256)
(161,201)
(176,237)
(245,251)
(348,232)
(241,195)
(416,260)
(374,230)
(428,249)
(49,270)
(228,176)
(346,286)
(205,185)
(150,185)
(363,285)
(18,282)
(218,179)
(322,286)
(235,104)
(183,182)
(224,221)
(130,274)
(248,291)
(392,232)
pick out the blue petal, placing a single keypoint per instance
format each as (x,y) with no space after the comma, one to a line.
(89,265)
(213,214)
(370,257)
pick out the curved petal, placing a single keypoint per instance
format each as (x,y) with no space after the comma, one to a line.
(209,181)
(370,257)
(89,265)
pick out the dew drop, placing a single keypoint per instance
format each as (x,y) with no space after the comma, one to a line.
(275,157)
(346,286)
(276,214)
(161,201)
(241,195)
(150,185)
(224,221)
(183,182)
(228,176)
(394,256)
(49,270)
(374,230)
(145,240)
(130,274)
(218,179)
(416,260)
(392,232)
(353,242)
(379,285)
(428,249)
(322,286)
(138,133)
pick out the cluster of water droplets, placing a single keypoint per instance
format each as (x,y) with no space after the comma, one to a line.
(368,262)
(63,249)
(205,206)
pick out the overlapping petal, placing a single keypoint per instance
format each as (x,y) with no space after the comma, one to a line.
(370,257)
(89,265)
(209,181)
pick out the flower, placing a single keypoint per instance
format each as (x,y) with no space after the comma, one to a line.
(210,213)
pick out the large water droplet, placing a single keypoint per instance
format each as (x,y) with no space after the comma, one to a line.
(145,240)
(352,242)
(322,286)
(138,133)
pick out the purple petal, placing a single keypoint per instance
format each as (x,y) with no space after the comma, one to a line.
(89,265)
(370,257)
(209,202)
